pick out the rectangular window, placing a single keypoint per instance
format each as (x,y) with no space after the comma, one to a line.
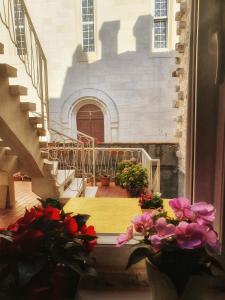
(161,24)
(20,28)
(88,25)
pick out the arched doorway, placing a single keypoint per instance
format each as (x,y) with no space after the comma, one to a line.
(90,120)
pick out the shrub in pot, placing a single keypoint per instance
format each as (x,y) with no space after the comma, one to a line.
(134,179)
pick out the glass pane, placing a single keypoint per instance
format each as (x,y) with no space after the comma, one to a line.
(160,34)
(161,8)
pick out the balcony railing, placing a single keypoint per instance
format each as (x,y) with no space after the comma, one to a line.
(107,159)
(14,15)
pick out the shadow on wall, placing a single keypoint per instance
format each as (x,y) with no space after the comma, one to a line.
(127,77)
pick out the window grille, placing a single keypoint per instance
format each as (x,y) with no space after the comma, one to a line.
(88,25)
(161,24)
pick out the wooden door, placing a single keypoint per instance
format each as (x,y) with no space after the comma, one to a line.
(90,120)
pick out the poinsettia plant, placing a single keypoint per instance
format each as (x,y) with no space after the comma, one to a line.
(44,239)
(150,200)
(178,246)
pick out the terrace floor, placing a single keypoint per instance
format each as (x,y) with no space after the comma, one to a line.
(25,198)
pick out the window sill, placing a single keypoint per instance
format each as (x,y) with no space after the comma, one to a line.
(167,53)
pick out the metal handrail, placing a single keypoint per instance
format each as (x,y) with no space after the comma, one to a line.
(32,55)
(69,153)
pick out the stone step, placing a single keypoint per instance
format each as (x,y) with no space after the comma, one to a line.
(72,191)
(44,154)
(64,176)
(35,120)
(48,164)
(7,71)
(43,144)
(28,106)
(41,132)
(91,191)
(1,48)
(55,167)
(17,90)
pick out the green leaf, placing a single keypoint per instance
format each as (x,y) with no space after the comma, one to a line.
(84,258)
(28,269)
(137,255)
(90,271)
(6,237)
(87,237)
(81,219)
(215,267)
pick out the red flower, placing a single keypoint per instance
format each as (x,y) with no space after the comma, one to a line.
(52,213)
(90,230)
(29,217)
(71,225)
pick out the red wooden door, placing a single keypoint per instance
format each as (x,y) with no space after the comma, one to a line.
(90,120)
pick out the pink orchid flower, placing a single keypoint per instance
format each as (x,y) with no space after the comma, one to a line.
(182,208)
(212,241)
(189,236)
(163,231)
(204,212)
(143,222)
(125,237)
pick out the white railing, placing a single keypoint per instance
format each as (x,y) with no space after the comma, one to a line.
(89,155)
(89,145)
(68,153)
(107,159)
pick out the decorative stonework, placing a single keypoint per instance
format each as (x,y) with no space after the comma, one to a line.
(100,99)
(181,73)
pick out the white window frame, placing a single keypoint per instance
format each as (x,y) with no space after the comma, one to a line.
(88,23)
(171,30)
(157,19)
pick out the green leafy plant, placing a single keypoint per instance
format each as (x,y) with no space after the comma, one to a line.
(42,241)
(120,167)
(150,200)
(134,179)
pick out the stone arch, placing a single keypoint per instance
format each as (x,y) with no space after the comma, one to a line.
(92,96)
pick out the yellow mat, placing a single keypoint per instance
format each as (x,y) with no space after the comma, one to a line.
(108,215)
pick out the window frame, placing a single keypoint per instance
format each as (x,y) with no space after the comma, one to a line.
(157,19)
(88,23)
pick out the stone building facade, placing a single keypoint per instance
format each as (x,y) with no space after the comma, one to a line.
(126,77)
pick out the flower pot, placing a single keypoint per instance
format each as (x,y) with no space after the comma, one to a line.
(149,210)
(105,180)
(56,284)
(134,193)
(162,287)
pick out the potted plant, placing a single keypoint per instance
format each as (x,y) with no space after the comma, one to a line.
(105,180)
(149,201)
(120,167)
(43,252)
(134,179)
(176,248)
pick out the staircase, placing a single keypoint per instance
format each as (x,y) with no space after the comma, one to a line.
(24,124)
(21,148)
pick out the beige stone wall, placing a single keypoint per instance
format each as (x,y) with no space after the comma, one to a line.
(125,75)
